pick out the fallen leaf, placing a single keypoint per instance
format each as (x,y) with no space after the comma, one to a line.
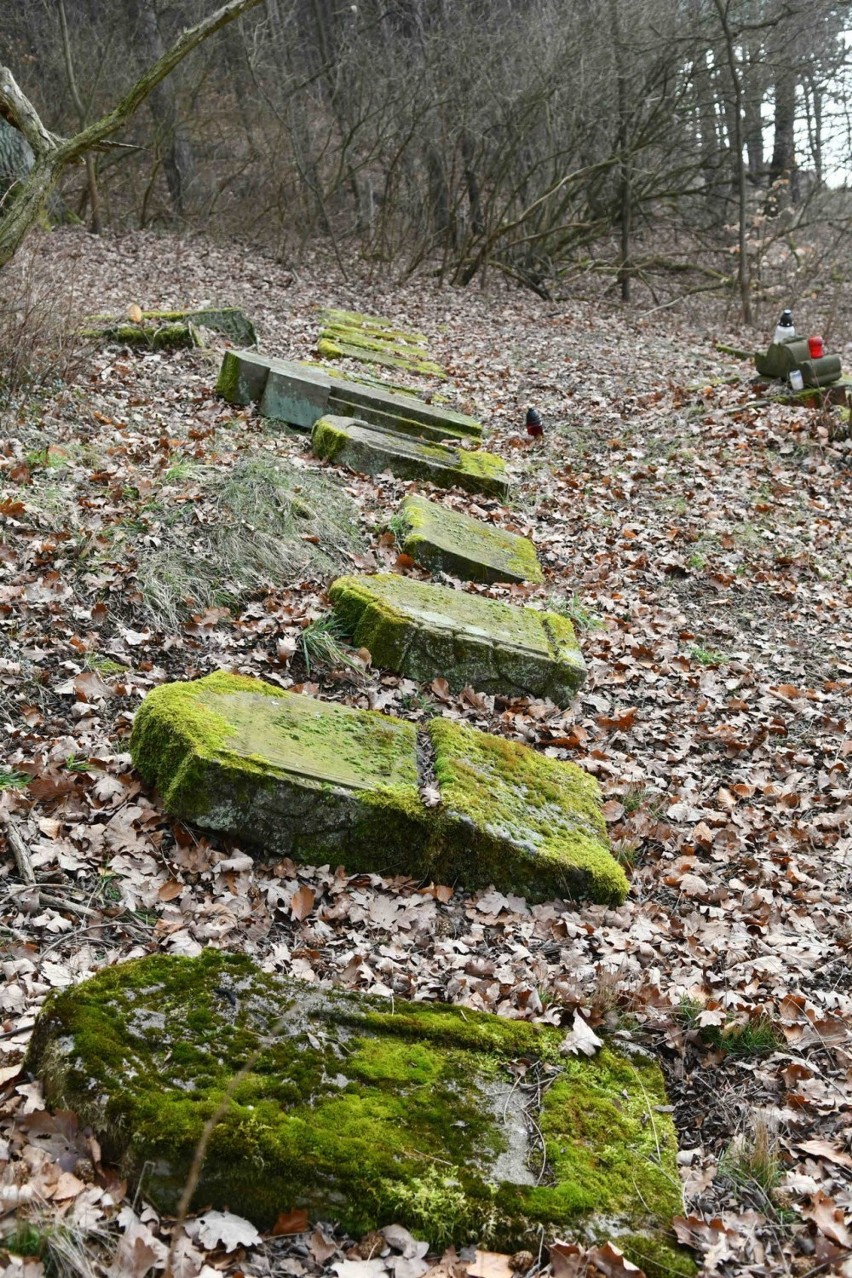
(291,1222)
(302,902)
(224,1229)
(581,1038)
(491,1264)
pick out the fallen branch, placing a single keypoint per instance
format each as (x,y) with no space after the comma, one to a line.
(20,851)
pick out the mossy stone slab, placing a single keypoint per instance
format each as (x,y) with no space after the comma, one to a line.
(299,394)
(371,450)
(359,1110)
(444,540)
(371,339)
(288,775)
(422,630)
(228,320)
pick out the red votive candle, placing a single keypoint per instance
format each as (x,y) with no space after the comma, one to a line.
(816,349)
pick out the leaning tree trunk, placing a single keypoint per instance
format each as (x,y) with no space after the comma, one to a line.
(54,153)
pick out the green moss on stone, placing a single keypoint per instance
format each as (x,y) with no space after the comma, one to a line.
(328,439)
(285,773)
(447,541)
(422,630)
(540,816)
(351,1107)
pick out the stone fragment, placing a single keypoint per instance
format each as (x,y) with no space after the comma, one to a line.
(347,441)
(299,394)
(151,329)
(287,775)
(424,630)
(359,1109)
(444,540)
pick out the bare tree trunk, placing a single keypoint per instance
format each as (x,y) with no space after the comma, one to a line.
(178,162)
(91,171)
(54,153)
(743,275)
(782,167)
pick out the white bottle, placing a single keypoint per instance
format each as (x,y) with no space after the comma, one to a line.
(784,329)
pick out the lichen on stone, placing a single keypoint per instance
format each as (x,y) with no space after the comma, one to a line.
(353,1107)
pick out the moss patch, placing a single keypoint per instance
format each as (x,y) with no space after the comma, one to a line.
(370,450)
(159,329)
(423,630)
(447,541)
(288,775)
(352,1107)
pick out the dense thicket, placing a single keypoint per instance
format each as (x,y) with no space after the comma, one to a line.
(651,140)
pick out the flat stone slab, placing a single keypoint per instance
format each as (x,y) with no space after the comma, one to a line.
(374,340)
(422,630)
(287,775)
(347,441)
(447,541)
(300,394)
(359,1109)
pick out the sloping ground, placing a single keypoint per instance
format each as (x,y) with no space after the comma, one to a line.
(705,546)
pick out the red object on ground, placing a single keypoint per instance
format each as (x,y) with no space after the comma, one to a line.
(816,347)
(534,426)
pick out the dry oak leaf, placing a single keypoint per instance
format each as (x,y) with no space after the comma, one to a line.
(825,1149)
(291,1222)
(223,1228)
(612,1262)
(580,1038)
(828,1219)
(302,902)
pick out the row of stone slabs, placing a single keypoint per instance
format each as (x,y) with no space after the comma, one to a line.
(363,427)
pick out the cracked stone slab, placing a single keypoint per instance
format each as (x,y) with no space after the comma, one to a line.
(288,775)
(447,541)
(361,1109)
(423,630)
(372,339)
(300,394)
(348,441)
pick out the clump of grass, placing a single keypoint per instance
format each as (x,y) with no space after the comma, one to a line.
(707,656)
(12,780)
(269,526)
(751,1163)
(321,645)
(398,526)
(576,612)
(758,1036)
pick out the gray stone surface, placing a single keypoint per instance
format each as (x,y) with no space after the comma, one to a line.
(300,394)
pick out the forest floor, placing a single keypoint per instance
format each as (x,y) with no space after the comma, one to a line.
(702,545)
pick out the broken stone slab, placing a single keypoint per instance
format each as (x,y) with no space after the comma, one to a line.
(347,441)
(371,339)
(447,541)
(300,394)
(360,1109)
(287,775)
(424,630)
(228,320)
